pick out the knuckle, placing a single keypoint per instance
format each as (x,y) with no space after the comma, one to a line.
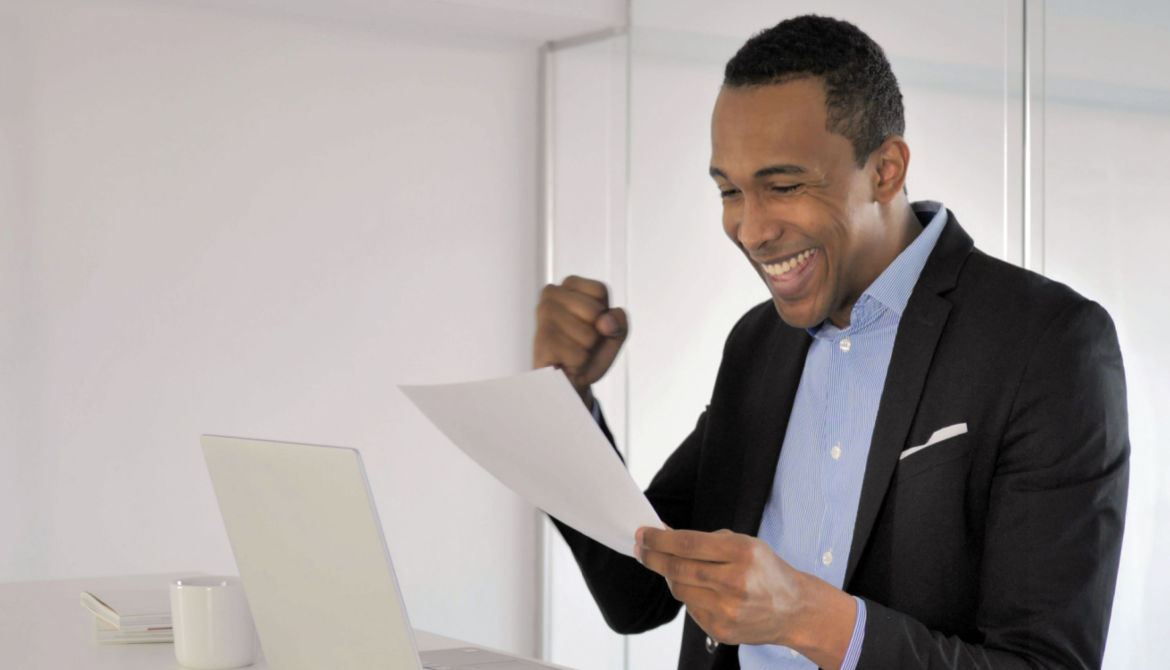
(740,587)
(602,292)
(590,287)
(736,585)
(729,610)
(576,284)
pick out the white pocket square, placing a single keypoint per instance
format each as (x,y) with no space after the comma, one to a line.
(936,437)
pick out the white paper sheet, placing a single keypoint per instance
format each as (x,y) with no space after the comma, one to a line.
(533,433)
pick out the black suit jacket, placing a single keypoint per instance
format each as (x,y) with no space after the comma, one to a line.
(997,548)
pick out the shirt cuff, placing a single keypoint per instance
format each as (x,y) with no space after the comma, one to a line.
(854,652)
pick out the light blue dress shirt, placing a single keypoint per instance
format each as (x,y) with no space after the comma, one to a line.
(810,514)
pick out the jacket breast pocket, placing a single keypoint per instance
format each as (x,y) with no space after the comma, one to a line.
(950,451)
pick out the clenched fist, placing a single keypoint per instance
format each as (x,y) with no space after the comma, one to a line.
(577,332)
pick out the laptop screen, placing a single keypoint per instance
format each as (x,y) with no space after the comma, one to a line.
(310,550)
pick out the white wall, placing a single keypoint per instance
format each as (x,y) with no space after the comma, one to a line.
(258,223)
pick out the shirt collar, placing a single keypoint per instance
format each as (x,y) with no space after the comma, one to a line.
(891,290)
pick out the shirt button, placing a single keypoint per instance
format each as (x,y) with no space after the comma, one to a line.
(845,344)
(827,557)
(835,452)
(712,645)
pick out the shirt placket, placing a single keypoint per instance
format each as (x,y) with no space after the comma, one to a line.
(830,451)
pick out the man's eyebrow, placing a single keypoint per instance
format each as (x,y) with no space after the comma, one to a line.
(786,168)
(779,169)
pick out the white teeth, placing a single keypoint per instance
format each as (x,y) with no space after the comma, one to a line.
(788,265)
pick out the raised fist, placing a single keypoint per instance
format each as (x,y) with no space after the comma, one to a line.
(577,332)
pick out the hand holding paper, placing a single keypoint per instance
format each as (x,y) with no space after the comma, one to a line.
(534,435)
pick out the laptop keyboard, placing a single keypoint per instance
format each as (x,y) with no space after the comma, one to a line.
(471,658)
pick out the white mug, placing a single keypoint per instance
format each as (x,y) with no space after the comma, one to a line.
(212,623)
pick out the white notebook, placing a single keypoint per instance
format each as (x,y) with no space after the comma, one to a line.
(131,609)
(104,633)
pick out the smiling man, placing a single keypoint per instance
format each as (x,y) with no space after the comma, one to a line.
(818,227)
(915,455)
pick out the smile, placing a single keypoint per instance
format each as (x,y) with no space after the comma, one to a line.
(790,265)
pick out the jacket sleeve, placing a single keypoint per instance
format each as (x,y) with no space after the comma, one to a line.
(633,599)
(1055,517)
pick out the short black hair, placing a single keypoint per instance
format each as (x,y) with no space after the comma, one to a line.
(862,98)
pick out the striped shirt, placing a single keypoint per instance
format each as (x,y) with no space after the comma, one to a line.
(810,514)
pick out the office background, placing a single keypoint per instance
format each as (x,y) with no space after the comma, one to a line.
(259,217)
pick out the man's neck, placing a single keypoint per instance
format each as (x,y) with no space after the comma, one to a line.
(904,227)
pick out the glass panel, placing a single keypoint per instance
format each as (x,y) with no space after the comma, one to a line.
(1107,139)
(586,159)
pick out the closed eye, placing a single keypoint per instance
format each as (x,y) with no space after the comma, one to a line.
(728,192)
(786,189)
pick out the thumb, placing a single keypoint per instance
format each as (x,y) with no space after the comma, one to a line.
(613,323)
(614,327)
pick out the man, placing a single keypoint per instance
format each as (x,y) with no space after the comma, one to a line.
(922,463)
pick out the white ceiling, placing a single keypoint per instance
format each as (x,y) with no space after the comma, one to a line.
(509,20)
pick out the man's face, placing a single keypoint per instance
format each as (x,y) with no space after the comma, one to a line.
(794,200)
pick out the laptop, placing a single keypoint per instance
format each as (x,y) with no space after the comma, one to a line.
(314,563)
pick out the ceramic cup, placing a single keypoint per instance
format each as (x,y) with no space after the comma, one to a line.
(212,622)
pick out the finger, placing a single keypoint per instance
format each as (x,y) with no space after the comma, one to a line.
(582,305)
(696,597)
(607,349)
(553,347)
(685,571)
(590,287)
(558,316)
(613,323)
(693,544)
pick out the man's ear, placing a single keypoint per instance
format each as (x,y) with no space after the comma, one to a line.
(889,162)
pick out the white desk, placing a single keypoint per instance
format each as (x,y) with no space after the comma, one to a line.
(43,626)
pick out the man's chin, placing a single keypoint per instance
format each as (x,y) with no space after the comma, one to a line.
(798,315)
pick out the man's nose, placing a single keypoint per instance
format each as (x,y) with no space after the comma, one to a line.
(756,227)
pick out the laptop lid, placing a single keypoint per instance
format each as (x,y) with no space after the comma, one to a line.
(310,550)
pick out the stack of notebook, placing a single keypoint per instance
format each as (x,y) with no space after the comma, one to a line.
(130,616)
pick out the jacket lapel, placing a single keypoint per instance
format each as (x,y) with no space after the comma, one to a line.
(769,422)
(914,346)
